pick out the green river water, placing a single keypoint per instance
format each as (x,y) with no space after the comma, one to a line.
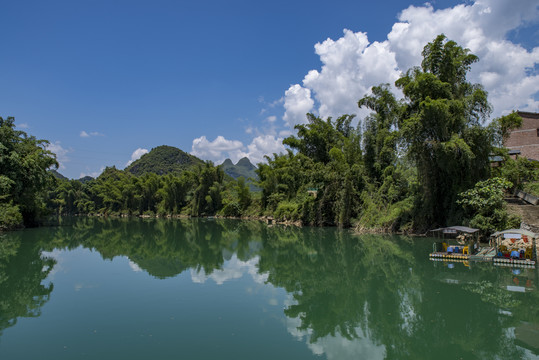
(94,288)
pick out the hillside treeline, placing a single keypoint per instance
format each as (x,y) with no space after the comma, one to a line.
(204,190)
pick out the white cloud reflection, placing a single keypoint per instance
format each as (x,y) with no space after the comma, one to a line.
(338,346)
(134,266)
(232,269)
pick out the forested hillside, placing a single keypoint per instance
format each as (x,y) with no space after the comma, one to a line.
(163,160)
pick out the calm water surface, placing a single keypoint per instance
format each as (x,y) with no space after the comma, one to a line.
(214,289)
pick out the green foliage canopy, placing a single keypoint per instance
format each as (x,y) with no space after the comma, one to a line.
(24,161)
(441,127)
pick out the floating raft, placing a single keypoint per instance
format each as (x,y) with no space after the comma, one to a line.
(450,260)
(446,256)
(484,254)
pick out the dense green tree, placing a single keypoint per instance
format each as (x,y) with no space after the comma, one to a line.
(381,134)
(207,198)
(486,206)
(441,127)
(174,193)
(243,193)
(24,161)
(318,183)
(501,127)
(281,178)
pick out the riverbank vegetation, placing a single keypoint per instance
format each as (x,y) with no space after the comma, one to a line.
(24,161)
(414,163)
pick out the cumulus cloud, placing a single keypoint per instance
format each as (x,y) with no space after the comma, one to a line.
(61,153)
(505,69)
(216,150)
(352,64)
(220,149)
(93,174)
(264,145)
(297,103)
(136,155)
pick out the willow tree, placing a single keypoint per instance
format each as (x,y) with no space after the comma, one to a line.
(442,127)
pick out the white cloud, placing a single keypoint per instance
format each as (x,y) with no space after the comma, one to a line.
(297,103)
(220,148)
(351,65)
(136,155)
(503,67)
(84,134)
(23,126)
(264,145)
(217,150)
(93,174)
(61,153)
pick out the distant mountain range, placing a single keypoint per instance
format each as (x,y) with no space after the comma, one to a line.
(57,175)
(163,160)
(242,168)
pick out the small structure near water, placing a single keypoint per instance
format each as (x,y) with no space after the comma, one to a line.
(459,242)
(514,247)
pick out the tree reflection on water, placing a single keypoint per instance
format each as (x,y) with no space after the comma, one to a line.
(369,295)
(22,272)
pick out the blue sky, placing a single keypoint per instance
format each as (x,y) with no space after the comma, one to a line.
(106,81)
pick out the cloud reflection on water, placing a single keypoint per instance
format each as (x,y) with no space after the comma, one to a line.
(232,269)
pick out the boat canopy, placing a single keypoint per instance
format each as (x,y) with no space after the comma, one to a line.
(512,232)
